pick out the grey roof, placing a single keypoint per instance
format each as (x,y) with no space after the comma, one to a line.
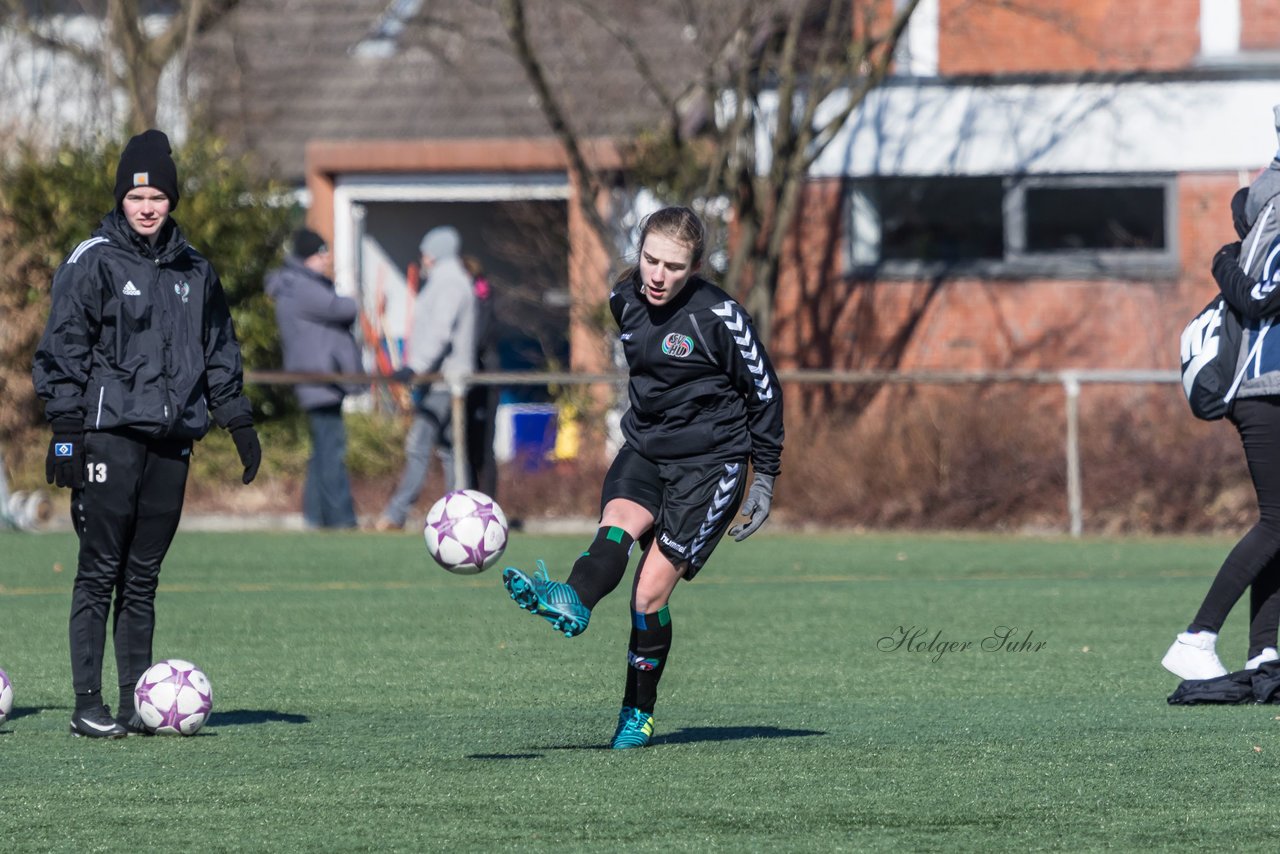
(284,72)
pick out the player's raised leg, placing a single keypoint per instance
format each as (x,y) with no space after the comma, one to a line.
(555,601)
(567,605)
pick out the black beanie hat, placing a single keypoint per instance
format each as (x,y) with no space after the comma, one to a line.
(306,243)
(147,161)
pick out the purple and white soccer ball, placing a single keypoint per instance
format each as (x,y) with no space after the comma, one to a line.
(6,696)
(173,697)
(466,531)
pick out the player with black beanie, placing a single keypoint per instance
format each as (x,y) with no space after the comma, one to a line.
(705,402)
(138,355)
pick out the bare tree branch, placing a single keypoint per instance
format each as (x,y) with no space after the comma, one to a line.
(27,28)
(799,53)
(128,58)
(513,18)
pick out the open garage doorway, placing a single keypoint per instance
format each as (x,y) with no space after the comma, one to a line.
(522,246)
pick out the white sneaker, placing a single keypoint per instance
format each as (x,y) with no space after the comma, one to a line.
(1268,654)
(1192,656)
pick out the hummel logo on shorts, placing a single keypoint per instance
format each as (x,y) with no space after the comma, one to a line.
(131,290)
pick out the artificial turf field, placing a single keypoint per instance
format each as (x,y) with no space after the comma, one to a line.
(365,700)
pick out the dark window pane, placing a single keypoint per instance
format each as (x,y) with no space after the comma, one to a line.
(941,219)
(1068,218)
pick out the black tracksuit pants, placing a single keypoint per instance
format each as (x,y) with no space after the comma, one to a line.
(1254,563)
(126,515)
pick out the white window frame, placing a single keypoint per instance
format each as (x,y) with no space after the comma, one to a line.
(861,232)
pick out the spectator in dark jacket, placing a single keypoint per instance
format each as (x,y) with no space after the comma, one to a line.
(482,400)
(315,332)
(138,354)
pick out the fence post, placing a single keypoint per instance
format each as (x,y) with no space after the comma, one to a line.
(458,419)
(1075,502)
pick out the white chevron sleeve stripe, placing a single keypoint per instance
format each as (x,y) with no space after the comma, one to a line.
(746,347)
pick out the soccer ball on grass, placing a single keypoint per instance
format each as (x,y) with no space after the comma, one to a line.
(173,697)
(6,696)
(466,531)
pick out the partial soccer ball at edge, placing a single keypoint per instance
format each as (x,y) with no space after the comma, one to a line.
(466,531)
(6,696)
(173,697)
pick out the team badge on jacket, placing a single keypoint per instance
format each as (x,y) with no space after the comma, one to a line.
(677,346)
(182,289)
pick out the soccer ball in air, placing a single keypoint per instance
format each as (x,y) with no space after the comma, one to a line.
(6,696)
(466,531)
(173,697)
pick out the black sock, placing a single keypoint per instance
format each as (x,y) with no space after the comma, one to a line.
(602,565)
(646,658)
(88,700)
(126,707)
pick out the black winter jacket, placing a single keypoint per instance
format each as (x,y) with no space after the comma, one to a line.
(139,338)
(701,385)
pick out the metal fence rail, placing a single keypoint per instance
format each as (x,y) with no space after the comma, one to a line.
(1071,381)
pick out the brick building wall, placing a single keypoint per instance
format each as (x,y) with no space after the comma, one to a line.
(828,320)
(1260,24)
(1067,36)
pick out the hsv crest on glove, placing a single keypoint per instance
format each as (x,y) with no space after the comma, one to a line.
(64,463)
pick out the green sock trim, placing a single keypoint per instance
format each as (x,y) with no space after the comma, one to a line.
(643,621)
(615,534)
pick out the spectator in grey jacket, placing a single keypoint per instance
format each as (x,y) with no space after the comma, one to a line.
(315,332)
(442,341)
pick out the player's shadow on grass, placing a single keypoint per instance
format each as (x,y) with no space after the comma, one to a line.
(694,734)
(688,735)
(24,711)
(245,717)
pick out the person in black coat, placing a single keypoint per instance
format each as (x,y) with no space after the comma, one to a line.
(138,356)
(315,333)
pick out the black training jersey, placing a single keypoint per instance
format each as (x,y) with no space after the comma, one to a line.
(701,385)
(139,338)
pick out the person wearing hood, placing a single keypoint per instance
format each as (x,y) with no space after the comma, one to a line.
(315,333)
(1247,272)
(442,341)
(138,356)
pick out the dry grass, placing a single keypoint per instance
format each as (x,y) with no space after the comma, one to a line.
(950,458)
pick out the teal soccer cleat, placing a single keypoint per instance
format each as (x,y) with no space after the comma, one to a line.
(635,728)
(554,601)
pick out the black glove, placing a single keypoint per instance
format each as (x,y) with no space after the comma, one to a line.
(64,464)
(1228,254)
(402,375)
(759,501)
(246,439)
(1226,261)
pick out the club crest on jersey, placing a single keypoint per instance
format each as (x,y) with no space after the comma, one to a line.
(182,289)
(677,346)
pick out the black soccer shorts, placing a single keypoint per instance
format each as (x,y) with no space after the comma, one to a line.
(692,502)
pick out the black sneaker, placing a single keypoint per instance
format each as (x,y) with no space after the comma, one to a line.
(133,724)
(96,723)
